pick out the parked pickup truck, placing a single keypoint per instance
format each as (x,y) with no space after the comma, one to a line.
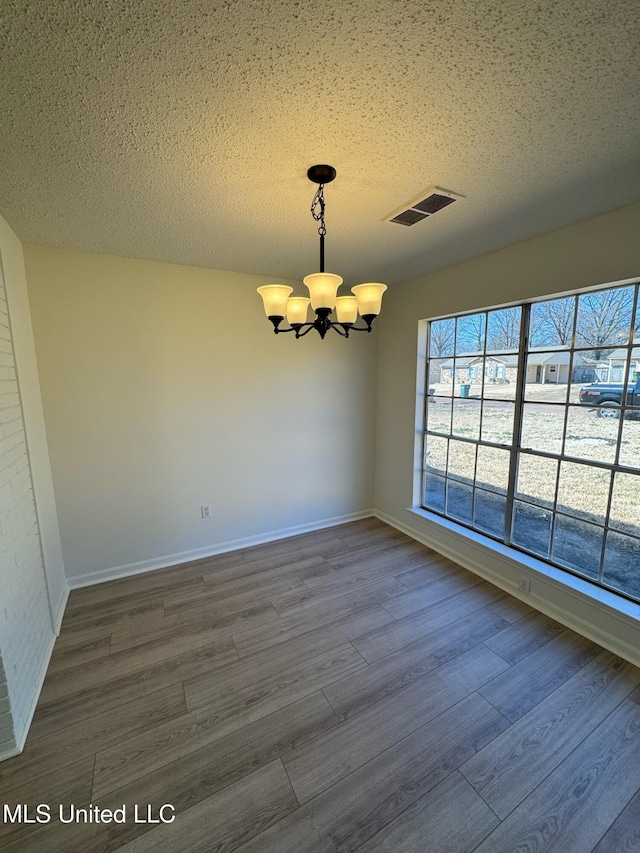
(608,398)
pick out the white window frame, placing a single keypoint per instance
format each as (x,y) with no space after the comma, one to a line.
(530,561)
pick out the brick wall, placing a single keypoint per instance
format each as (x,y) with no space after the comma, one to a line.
(7,737)
(25,621)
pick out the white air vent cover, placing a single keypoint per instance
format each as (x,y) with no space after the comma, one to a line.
(426,204)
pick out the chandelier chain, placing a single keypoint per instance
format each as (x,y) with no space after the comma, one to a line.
(317,210)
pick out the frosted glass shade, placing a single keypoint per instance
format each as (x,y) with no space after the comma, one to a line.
(369,297)
(347,309)
(323,287)
(275,298)
(297,309)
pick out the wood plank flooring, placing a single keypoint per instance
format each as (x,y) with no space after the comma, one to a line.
(344,690)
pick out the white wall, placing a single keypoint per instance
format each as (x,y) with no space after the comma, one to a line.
(596,251)
(27,510)
(164,388)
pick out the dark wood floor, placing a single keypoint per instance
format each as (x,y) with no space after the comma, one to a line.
(343,690)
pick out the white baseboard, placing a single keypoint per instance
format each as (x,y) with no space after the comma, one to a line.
(58,612)
(21,735)
(603,617)
(211,551)
(11,752)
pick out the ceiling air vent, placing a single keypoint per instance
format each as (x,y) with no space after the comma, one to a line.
(425,205)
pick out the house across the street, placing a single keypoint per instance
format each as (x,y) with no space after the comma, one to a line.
(543,367)
(616,362)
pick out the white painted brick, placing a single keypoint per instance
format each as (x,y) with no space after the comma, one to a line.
(25,622)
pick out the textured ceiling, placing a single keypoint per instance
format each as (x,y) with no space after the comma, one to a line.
(181,130)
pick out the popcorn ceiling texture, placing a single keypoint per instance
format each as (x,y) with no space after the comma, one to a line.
(182,131)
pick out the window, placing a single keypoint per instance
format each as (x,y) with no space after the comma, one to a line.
(542,451)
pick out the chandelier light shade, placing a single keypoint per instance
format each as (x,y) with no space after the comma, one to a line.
(323,288)
(275,298)
(297,307)
(369,297)
(347,309)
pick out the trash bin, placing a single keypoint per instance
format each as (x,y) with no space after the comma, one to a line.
(464,390)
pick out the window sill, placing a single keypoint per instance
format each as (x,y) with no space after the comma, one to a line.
(616,605)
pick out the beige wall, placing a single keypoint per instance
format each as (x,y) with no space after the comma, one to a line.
(164,388)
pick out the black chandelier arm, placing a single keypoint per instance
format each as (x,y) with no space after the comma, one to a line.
(342,330)
(307,328)
(322,324)
(368,319)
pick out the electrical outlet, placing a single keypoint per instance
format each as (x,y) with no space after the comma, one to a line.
(206,510)
(525,586)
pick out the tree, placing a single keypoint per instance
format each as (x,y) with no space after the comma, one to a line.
(441,338)
(470,333)
(604,319)
(552,323)
(503,332)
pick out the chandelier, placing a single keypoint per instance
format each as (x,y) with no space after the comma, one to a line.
(323,287)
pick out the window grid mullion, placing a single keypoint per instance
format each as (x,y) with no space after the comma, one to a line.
(554,512)
(517,421)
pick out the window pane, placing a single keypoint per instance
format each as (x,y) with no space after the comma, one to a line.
(547,376)
(622,563)
(442,338)
(434,488)
(459,501)
(542,427)
(436,454)
(497,421)
(531,528)
(615,366)
(439,414)
(630,443)
(500,373)
(536,481)
(466,418)
(464,376)
(583,491)
(503,330)
(577,545)
(442,377)
(625,505)
(462,460)
(470,334)
(489,512)
(552,322)
(492,469)
(590,437)
(437,384)
(604,317)
(587,367)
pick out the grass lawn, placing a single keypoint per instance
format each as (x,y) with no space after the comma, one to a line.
(582,490)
